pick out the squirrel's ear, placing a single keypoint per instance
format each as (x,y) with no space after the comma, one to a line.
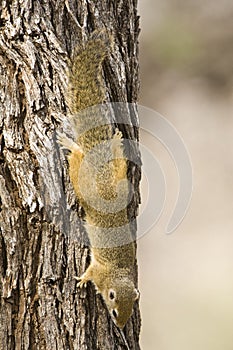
(136,293)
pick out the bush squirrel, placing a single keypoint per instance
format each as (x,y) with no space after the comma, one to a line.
(98,172)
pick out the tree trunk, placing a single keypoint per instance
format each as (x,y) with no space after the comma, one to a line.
(41,234)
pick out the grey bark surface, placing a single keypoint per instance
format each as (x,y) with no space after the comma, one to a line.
(41,233)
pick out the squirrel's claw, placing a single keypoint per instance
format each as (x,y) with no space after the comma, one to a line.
(82,281)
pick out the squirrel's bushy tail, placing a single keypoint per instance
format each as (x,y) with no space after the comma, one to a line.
(90,117)
(86,86)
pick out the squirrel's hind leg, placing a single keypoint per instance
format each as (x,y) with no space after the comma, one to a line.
(68,143)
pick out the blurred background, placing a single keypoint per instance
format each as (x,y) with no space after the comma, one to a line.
(186,278)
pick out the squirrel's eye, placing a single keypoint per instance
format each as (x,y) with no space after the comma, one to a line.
(114,313)
(111,295)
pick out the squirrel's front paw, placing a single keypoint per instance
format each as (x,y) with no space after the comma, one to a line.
(82,281)
(86,276)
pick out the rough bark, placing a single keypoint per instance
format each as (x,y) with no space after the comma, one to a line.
(41,233)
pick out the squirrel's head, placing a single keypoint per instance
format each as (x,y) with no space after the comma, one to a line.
(120,298)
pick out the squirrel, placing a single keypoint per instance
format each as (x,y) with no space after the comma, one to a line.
(98,172)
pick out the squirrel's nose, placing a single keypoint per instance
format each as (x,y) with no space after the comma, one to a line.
(120,325)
